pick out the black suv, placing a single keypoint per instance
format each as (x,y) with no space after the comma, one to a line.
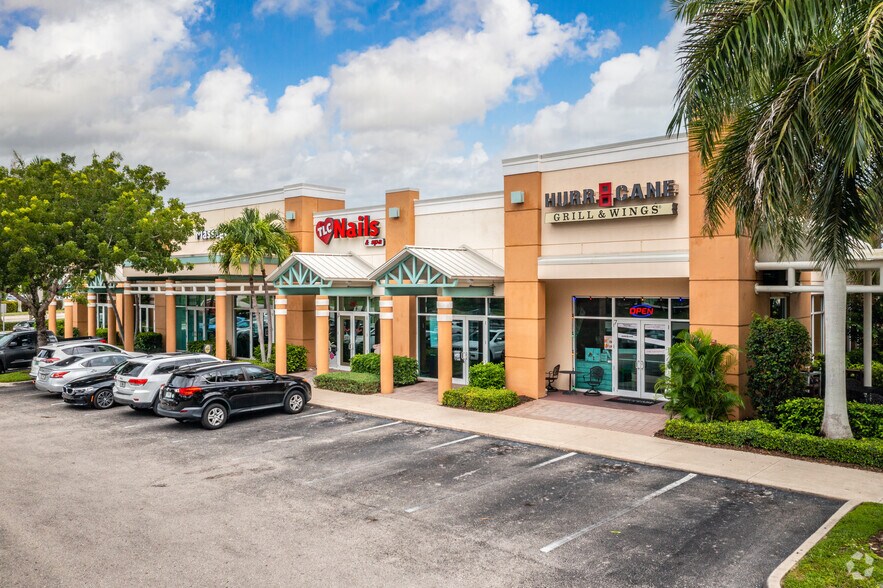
(18,348)
(212,393)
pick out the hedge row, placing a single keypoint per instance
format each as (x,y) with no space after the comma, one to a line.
(480,399)
(404,369)
(352,382)
(804,415)
(148,342)
(763,435)
(199,346)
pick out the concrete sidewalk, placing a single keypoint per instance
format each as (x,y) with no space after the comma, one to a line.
(791,474)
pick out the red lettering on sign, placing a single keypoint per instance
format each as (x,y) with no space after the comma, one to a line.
(341,228)
(605,194)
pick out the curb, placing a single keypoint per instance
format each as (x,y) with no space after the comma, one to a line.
(775,579)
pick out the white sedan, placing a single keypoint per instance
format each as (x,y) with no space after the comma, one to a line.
(52,377)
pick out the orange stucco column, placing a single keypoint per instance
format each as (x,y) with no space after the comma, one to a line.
(445,346)
(322,350)
(68,318)
(221,319)
(386,337)
(51,317)
(91,309)
(281,339)
(171,330)
(128,318)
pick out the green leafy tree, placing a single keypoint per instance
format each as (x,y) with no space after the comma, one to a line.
(251,239)
(777,350)
(62,225)
(695,379)
(782,100)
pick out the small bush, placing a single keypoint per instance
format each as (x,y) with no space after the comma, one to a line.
(480,399)
(804,415)
(404,369)
(11,306)
(149,342)
(487,375)
(296,358)
(352,382)
(101,333)
(763,435)
(266,365)
(777,350)
(876,371)
(198,346)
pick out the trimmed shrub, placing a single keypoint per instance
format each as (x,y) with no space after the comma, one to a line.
(695,379)
(296,358)
(763,435)
(404,369)
(480,399)
(777,350)
(804,415)
(487,375)
(101,333)
(11,306)
(876,371)
(148,342)
(266,365)
(352,382)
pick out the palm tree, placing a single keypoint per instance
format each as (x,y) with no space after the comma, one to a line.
(251,239)
(782,100)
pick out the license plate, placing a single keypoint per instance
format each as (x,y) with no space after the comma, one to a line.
(168,394)
(67,395)
(41,377)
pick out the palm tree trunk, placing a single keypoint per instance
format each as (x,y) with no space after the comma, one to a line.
(270,318)
(835,422)
(255,317)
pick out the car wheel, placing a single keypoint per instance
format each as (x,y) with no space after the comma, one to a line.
(155,405)
(294,402)
(214,416)
(103,399)
(2,368)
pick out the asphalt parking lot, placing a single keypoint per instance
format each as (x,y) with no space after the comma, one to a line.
(115,497)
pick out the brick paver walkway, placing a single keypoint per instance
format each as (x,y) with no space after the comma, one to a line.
(630,420)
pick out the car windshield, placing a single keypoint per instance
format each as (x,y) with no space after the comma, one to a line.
(68,361)
(131,368)
(6,339)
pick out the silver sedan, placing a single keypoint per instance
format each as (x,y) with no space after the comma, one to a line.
(52,377)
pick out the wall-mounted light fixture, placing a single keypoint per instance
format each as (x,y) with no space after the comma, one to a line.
(394,212)
(290,215)
(516,197)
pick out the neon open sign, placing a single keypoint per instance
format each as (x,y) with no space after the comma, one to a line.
(640,310)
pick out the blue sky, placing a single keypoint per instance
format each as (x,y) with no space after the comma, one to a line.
(230,97)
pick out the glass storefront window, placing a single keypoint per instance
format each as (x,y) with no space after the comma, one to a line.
(473,306)
(427,328)
(680,309)
(593,306)
(374,303)
(428,305)
(332,336)
(496,340)
(353,303)
(496,307)
(678,327)
(593,357)
(332,303)
(659,307)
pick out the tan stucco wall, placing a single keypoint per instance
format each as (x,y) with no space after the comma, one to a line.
(480,229)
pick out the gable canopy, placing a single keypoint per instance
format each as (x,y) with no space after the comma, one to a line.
(322,273)
(458,271)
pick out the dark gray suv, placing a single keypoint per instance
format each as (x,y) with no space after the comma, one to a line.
(18,348)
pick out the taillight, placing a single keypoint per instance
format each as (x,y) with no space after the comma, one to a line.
(189,390)
(137,381)
(51,359)
(58,374)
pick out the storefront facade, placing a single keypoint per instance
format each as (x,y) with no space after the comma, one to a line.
(590,260)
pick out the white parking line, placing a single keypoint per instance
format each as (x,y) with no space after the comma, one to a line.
(449,443)
(372,428)
(553,460)
(303,416)
(296,437)
(138,424)
(466,474)
(413,509)
(607,519)
(57,403)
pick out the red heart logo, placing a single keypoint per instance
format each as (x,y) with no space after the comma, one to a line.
(325,230)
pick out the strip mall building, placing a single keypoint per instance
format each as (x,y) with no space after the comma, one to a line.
(591,260)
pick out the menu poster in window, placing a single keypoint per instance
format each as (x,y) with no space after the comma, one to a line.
(608,342)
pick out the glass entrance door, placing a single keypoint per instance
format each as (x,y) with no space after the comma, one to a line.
(351,336)
(469,344)
(641,354)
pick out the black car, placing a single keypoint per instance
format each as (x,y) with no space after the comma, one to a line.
(95,390)
(18,348)
(212,393)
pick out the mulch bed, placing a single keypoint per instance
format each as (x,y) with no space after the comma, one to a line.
(661,434)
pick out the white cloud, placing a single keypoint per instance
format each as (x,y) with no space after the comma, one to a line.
(319,10)
(631,96)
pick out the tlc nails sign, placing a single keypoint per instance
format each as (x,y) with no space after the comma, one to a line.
(342,228)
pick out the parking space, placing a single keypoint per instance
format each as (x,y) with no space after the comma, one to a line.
(116,497)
